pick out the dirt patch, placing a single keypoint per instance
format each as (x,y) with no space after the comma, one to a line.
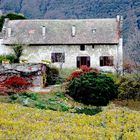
(131,104)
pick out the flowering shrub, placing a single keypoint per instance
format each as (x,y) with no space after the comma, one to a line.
(86,69)
(17,83)
(83,69)
(24,123)
(75,74)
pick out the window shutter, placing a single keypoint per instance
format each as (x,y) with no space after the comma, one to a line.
(78,62)
(88,61)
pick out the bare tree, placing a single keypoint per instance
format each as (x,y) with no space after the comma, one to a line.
(132,45)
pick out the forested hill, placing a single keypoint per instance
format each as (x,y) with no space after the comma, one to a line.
(63,9)
(66,9)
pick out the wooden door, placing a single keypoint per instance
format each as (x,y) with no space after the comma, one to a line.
(83,60)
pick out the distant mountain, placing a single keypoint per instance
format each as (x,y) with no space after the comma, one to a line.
(77,9)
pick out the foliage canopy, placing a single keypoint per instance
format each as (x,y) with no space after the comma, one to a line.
(11,16)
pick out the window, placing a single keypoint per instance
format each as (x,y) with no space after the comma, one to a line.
(106,61)
(83,60)
(82,47)
(58,57)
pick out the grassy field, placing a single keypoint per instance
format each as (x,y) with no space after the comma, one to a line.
(56,116)
(23,123)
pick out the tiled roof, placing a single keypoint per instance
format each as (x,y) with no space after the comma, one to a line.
(88,31)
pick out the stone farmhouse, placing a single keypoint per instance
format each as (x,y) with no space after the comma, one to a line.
(67,43)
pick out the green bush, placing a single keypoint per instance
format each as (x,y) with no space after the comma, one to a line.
(41,105)
(9,57)
(92,88)
(52,76)
(31,99)
(88,111)
(2,57)
(129,87)
(33,96)
(114,76)
(14,97)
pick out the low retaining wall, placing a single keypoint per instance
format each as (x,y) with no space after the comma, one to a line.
(32,72)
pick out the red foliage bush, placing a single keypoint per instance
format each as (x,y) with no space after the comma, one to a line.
(75,74)
(17,83)
(83,69)
(86,69)
(3,89)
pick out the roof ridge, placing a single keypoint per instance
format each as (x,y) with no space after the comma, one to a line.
(64,19)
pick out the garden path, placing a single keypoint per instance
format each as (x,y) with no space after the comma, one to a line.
(44,90)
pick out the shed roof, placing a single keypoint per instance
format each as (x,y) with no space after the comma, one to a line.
(88,31)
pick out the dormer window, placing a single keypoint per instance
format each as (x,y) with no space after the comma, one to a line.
(9,32)
(73,32)
(43,30)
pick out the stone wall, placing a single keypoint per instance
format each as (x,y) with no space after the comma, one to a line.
(31,72)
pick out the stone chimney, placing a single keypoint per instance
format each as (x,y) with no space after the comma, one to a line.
(6,20)
(43,31)
(121,26)
(9,31)
(119,19)
(73,32)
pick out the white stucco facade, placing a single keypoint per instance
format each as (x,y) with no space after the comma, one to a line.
(4,50)
(35,54)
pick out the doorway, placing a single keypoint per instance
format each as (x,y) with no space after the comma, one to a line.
(83,60)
